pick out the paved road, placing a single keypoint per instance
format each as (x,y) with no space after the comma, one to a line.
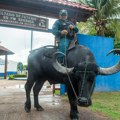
(12,98)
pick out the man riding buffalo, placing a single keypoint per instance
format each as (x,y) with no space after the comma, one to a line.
(65,33)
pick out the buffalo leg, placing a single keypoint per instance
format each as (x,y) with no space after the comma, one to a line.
(28,87)
(74,114)
(36,89)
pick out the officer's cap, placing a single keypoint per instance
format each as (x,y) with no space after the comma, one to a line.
(63,12)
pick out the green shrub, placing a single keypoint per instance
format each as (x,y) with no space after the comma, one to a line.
(19,75)
(11,77)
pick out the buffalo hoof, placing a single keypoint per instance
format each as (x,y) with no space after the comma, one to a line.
(74,116)
(27,109)
(39,108)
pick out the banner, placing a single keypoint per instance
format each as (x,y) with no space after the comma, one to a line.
(22,20)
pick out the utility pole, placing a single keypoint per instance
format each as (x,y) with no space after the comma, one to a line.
(31,40)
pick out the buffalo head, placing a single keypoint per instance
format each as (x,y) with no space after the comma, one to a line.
(83,78)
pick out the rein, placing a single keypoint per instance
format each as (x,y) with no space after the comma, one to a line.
(82,88)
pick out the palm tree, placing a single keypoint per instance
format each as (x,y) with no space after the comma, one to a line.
(105,10)
(115,27)
(20,66)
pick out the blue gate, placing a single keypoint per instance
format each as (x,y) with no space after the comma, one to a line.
(100,46)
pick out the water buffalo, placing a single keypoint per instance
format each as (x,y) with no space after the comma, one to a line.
(78,76)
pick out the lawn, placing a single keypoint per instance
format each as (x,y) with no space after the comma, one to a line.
(108,103)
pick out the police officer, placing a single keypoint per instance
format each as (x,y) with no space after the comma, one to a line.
(64,32)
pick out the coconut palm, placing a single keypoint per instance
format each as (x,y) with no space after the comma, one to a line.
(105,10)
(115,27)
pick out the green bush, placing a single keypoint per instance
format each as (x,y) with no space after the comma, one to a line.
(11,77)
(19,75)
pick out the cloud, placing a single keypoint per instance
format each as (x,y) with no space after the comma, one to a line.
(20,57)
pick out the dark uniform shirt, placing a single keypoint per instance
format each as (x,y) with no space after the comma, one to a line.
(60,25)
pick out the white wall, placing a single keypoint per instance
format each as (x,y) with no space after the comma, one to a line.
(11,66)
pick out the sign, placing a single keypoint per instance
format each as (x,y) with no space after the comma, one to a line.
(22,20)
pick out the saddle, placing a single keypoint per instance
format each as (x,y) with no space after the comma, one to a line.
(50,50)
(72,45)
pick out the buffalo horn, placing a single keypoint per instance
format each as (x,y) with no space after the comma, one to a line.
(58,66)
(110,70)
(115,51)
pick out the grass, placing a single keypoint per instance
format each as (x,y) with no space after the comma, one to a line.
(108,103)
(57,92)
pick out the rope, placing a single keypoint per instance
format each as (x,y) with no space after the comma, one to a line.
(67,70)
(82,88)
(83,81)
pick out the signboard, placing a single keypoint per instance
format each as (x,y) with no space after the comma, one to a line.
(22,20)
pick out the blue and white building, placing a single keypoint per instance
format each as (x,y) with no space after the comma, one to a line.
(11,67)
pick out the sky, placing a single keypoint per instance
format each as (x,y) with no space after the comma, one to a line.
(19,41)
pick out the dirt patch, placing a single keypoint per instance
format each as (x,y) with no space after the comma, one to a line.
(12,98)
